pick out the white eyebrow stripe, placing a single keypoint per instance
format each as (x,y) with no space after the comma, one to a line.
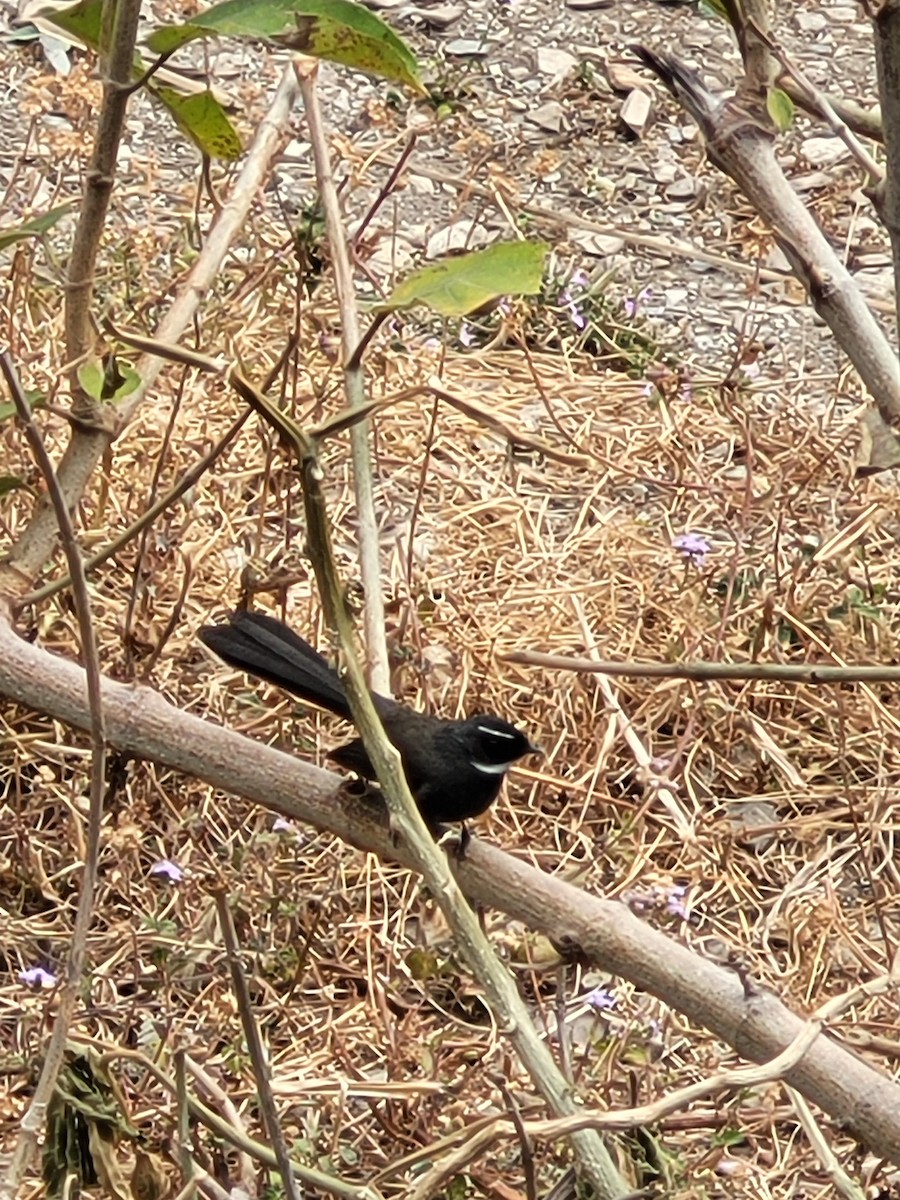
(492,768)
(496,732)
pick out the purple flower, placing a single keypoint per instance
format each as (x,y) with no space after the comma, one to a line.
(37,978)
(631,304)
(166,869)
(675,905)
(693,546)
(600,999)
(579,279)
(282,825)
(576,315)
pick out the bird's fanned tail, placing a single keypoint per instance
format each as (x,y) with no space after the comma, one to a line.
(268,649)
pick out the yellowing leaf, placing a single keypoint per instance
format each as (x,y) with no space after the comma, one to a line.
(459,285)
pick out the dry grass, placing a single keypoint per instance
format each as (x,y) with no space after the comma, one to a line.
(380,1042)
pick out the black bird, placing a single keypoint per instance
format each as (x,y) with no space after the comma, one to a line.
(454,768)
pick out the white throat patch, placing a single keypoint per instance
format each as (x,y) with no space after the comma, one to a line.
(492,768)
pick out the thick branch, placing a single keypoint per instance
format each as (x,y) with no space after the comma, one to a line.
(758,1026)
(740,145)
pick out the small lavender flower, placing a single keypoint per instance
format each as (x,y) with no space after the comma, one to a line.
(675,904)
(579,280)
(166,869)
(576,314)
(37,978)
(631,304)
(600,999)
(693,546)
(282,825)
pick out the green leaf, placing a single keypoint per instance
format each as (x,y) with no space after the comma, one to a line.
(127,382)
(337,30)
(82,20)
(457,286)
(35,399)
(11,483)
(107,379)
(33,228)
(781,109)
(91,378)
(202,119)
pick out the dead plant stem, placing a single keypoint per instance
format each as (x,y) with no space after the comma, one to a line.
(32,1122)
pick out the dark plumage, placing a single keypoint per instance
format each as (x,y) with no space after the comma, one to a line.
(454,768)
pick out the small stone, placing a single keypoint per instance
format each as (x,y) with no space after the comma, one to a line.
(466,48)
(623,78)
(812,22)
(823,151)
(555,63)
(463,235)
(635,111)
(682,189)
(601,245)
(550,117)
(438,17)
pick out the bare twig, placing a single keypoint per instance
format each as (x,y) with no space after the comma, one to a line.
(258,1057)
(760,672)
(354,384)
(33,1121)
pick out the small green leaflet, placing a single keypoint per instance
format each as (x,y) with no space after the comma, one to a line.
(35,399)
(203,120)
(781,108)
(82,20)
(33,228)
(108,379)
(10,483)
(200,117)
(337,30)
(459,285)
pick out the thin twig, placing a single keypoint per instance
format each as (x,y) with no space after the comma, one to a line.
(33,1121)
(261,1069)
(354,384)
(759,672)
